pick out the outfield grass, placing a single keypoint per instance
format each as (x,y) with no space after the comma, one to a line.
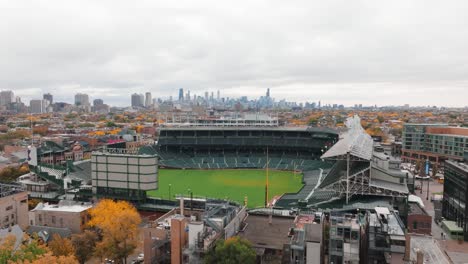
(231,184)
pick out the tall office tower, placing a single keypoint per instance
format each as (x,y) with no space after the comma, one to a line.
(206,96)
(36,106)
(218,96)
(6,98)
(268,92)
(138,100)
(48,97)
(98,102)
(181,94)
(188,96)
(81,99)
(212,96)
(148,99)
(319,104)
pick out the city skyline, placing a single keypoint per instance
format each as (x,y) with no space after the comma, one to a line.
(394,53)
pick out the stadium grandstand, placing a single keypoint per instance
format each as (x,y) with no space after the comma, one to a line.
(333,167)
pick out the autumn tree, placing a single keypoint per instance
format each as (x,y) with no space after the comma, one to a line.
(231,251)
(84,244)
(61,246)
(118,223)
(29,249)
(49,258)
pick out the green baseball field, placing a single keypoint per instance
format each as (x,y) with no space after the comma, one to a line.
(233,184)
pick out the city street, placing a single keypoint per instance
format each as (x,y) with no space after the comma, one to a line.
(457,252)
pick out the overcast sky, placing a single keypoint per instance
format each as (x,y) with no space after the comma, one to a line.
(369,52)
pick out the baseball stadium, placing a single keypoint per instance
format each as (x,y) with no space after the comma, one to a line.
(258,165)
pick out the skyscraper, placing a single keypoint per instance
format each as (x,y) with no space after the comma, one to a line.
(218,96)
(138,100)
(148,99)
(98,102)
(81,99)
(181,94)
(36,106)
(48,97)
(6,97)
(206,96)
(268,92)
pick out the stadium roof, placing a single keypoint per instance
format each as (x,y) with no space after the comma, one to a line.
(292,129)
(355,141)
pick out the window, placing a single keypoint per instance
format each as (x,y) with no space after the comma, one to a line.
(8,208)
(340,231)
(53,219)
(415,225)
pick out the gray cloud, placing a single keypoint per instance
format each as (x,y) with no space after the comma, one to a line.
(369,52)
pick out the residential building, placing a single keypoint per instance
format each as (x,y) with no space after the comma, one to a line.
(433,142)
(386,236)
(347,238)
(307,240)
(65,214)
(13,206)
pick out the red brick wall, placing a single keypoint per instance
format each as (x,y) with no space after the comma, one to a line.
(424,224)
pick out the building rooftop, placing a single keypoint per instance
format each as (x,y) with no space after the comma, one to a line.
(265,235)
(460,165)
(63,207)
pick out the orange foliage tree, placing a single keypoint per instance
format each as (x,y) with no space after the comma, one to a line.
(61,246)
(118,222)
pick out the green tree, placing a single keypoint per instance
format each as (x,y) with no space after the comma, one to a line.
(231,251)
(380,118)
(29,250)
(84,244)
(110,124)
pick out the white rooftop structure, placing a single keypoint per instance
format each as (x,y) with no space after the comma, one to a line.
(63,207)
(355,141)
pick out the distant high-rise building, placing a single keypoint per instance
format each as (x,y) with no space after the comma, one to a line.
(212,96)
(218,96)
(148,99)
(6,98)
(181,94)
(48,97)
(206,96)
(188,96)
(268,92)
(98,102)
(138,100)
(81,99)
(319,104)
(36,106)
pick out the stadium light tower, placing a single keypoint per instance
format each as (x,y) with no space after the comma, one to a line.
(170,185)
(266,183)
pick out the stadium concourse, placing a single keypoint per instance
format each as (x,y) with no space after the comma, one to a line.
(333,167)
